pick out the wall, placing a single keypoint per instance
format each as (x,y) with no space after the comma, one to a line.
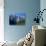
(42,6)
(1,21)
(14,33)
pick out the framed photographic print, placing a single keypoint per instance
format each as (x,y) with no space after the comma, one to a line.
(17,19)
